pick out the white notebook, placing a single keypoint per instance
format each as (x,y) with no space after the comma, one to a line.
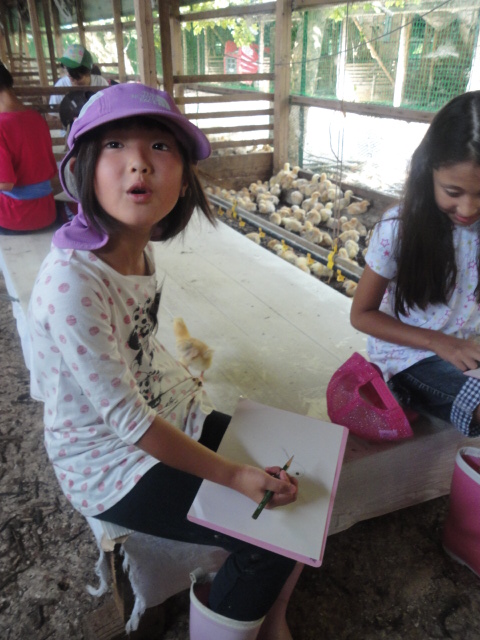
(264,436)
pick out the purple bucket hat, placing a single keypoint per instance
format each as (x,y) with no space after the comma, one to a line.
(114,103)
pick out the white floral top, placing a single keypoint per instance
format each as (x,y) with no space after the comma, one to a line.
(103,375)
(460,317)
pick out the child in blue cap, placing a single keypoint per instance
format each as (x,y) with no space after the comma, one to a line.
(130,433)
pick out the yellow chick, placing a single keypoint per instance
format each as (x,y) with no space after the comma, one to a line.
(357,208)
(321,270)
(275,217)
(192,352)
(302,263)
(349,286)
(350,234)
(292,224)
(254,236)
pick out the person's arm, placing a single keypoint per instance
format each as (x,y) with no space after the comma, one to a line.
(174,448)
(6,186)
(366,317)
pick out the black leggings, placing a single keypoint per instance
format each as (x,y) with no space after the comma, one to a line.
(250,579)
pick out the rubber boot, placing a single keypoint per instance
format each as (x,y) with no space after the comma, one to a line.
(461,534)
(205,624)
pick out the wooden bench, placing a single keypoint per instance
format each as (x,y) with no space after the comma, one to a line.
(279,334)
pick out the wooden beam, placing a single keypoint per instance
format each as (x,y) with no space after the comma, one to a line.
(299,5)
(46,5)
(267,8)
(283,38)
(49,90)
(239,129)
(145,45)
(42,70)
(248,96)
(164,8)
(227,144)
(408,115)
(224,77)
(80,22)
(229,114)
(227,91)
(95,28)
(117,25)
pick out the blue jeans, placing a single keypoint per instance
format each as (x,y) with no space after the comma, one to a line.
(439,388)
(250,579)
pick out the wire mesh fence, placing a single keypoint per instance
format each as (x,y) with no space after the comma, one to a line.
(411,55)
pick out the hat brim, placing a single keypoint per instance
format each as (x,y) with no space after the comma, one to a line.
(67,178)
(69,63)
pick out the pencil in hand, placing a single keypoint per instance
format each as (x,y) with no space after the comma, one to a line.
(269,494)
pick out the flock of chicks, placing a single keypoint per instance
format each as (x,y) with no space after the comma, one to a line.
(317,210)
(301,206)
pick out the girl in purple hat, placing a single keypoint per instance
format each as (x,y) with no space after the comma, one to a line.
(130,433)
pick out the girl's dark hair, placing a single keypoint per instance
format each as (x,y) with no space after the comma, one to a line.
(89,147)
(79,72)
(6,79)
(427,269)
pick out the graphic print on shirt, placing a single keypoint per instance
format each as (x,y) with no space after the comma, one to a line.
(148,379)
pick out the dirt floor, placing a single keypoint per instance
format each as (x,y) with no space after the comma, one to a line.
(385,578)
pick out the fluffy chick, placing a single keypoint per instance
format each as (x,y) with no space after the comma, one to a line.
(191,352)
(357,208)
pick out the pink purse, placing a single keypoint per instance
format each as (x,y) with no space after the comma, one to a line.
(358,398)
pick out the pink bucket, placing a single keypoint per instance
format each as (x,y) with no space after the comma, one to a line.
(359,399)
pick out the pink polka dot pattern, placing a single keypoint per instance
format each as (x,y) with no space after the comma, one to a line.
(103,376)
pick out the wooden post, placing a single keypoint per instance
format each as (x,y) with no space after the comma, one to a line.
(46,4)
(21,41)
(342,61)
(42,71)
(56,30)
(166,43)
(177,49)
(3,44)
(6,35)
(145,45)
(117,23)
(402,61)
(80,22)
(283,31)
(474,77)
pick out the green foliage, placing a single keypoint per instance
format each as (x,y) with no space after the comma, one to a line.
(243,31)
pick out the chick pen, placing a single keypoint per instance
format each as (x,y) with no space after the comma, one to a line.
(312,107)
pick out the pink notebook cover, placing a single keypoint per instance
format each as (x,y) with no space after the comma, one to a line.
(266,436)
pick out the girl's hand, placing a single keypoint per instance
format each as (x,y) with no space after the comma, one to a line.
(463,354)
(253,482)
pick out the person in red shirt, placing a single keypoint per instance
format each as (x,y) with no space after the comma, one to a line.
(27,164)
